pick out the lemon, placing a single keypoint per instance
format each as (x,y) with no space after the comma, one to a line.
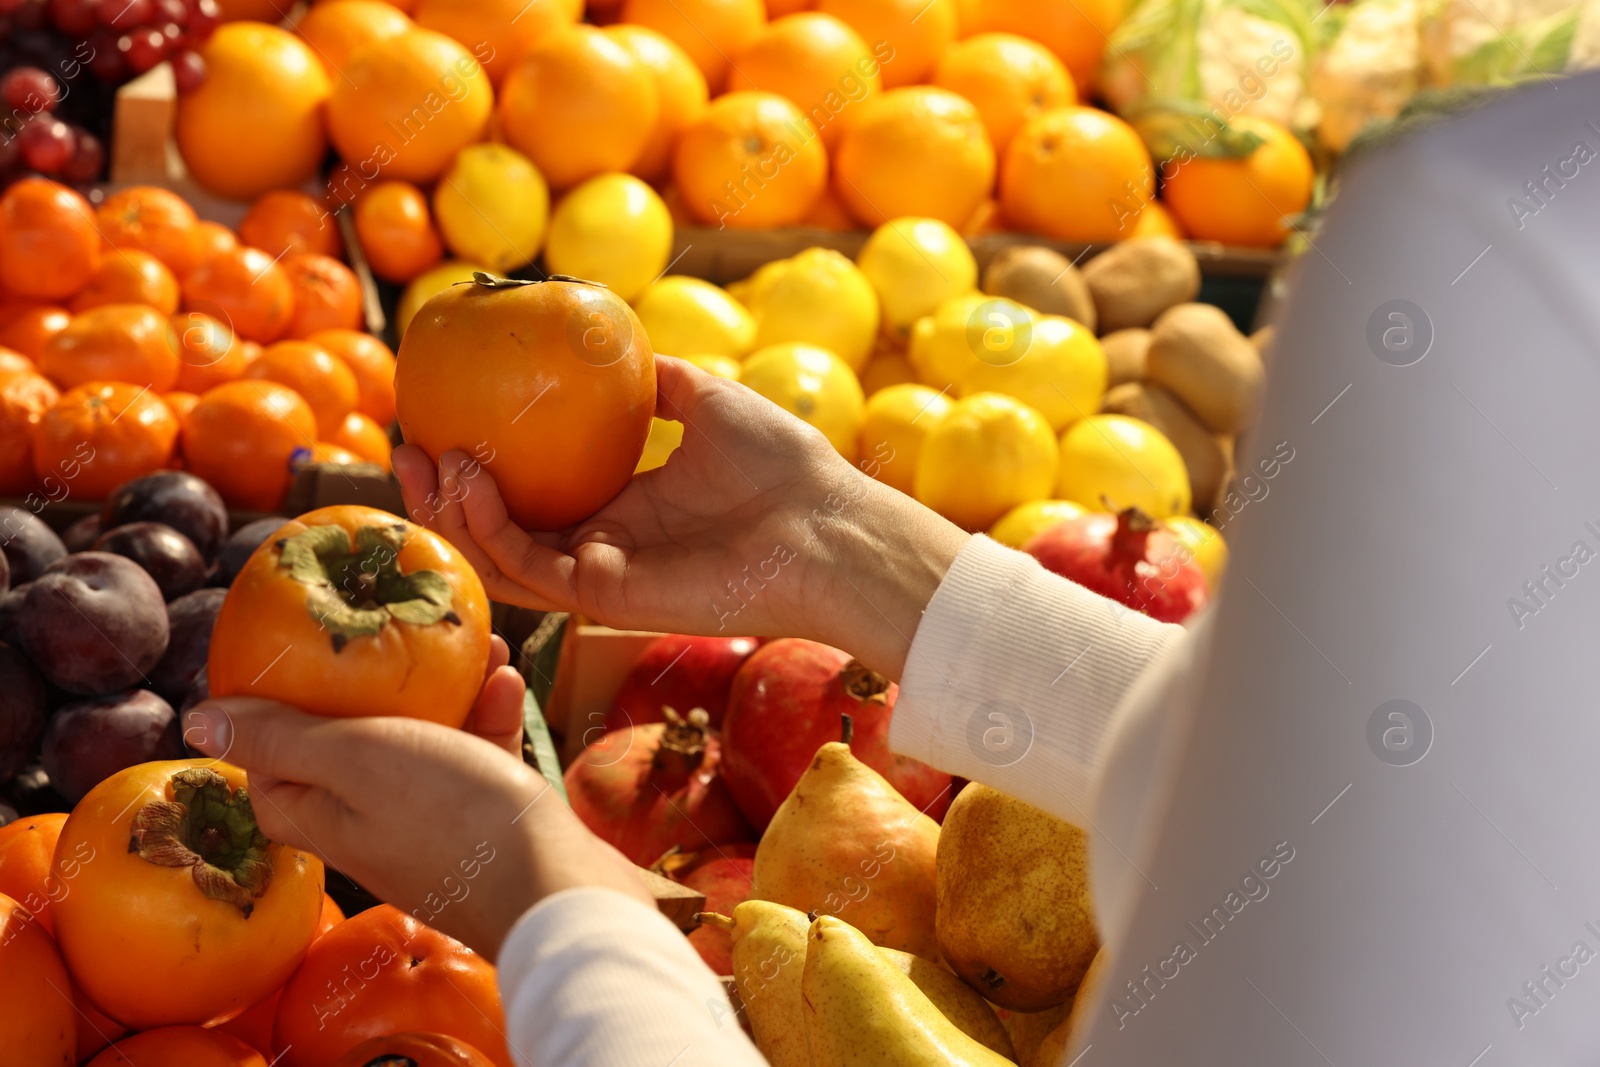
(492,206)
(759,282)
(884,369)
(430,283)
(945,345)
(987,455)
(818,298)
(814,384)
(1205,545)
(1111,462)
(722,366)
(1059,369)
(1026,521)
(612,229)
(667,434)
(916,265)
(686,315)
(898,419)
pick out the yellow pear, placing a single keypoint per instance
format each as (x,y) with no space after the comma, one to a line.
(845,843)
(955,999)
(769,949)
(1052,1050)
(1014,915)
(861,1011)
(1028,1029)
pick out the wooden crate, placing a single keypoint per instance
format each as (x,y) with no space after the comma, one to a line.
(592,662)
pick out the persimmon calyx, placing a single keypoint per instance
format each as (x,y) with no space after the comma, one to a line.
(210,828)
(494,281)
(357,587)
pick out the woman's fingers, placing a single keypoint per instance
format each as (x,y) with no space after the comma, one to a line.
(497,715)
(419,482)
(533,564)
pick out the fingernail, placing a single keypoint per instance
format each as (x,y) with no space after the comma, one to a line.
(209,730)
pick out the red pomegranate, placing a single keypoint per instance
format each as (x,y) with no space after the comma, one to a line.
(723,875)
(788,700)
(1125,557)
(647,788)
(679,671)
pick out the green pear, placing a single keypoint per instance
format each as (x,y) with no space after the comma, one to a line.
(861,1011)
(955,1000)
(845,843)
(1014,916)
(769,950)
(1052,1051)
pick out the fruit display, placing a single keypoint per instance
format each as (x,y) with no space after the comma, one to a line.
(135,337)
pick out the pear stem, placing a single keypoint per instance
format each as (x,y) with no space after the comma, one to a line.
(847,728)
(711,918)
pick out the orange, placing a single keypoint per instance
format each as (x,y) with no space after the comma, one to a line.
(407,104)
(324,452)
(709,30)
(987,219)
(681,94)
(1156,221)
(365,438)
(579,105)
(752,162)
(499,32)
(49,247)
(829,213)
(245,289)
(907,36)
(397,231)
(251,350)
(101,434)
(180,404)
(321,379)
(335,32)
(116,343)
(370,360)
(326,295)
(241,436)
(1075,174)
(1009,79)
(24,398)
(1077,31)
(208,352)
(917,151)
(969,17)
(255,122)
(210,238)
(816,62)
(1242,201)
(28,330)
(129,277)
(286,220)
(776,9)
(144,218)
(12,361)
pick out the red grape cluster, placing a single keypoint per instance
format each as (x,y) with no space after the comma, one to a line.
(126,37)
(36,138)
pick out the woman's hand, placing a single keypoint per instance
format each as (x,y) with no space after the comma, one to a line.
(755,525)
(435,821)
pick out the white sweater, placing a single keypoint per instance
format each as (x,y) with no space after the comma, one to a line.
(1010,681)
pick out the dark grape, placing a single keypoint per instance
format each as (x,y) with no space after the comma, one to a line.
(142,49)
(31,15)
(107,64)
(8,7)
(46,144)
(30,89)
(204,15)
(188,70)
(74,17)
(8,152)
(173,11)
(88,157)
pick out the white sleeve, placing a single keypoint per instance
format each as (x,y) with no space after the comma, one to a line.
(594,978)
(1014,675)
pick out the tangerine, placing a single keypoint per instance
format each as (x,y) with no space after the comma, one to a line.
(241,436)
(29,330)
(579,104)
(129,277)
(708,30)
(49,247)
(208,352)
(365,438)
(24,398)
(753,161)
(115,343)
(327,295)
(210,238)
(917,151)
(396,231)
(246,289)
(101,434)
(370,360)
(285,221)
(255,122)
(322,380)
(146,218)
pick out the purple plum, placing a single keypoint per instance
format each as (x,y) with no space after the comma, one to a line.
(24,709)
(189,622)
(94,623)
(165,554)
(243,542)
(81,534)
(29,545)
(181,500)
(10,611)
(91,740)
